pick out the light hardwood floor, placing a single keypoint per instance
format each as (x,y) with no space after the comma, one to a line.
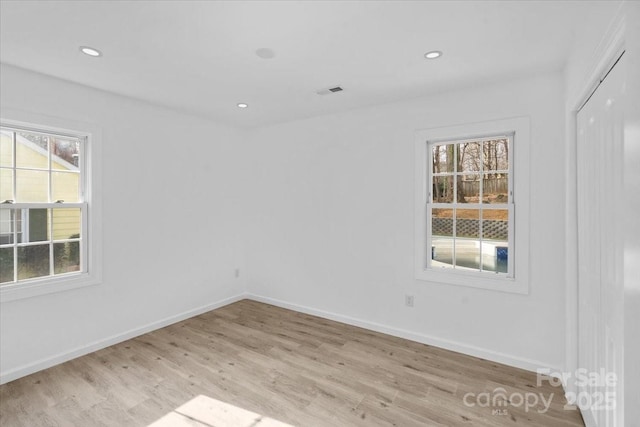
(252,364)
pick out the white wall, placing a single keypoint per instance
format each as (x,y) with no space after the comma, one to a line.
(171,192)
(331,223)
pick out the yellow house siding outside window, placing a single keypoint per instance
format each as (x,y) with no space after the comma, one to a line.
(42,211)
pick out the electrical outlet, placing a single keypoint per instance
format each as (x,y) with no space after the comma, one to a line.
(237,273)
(408,300)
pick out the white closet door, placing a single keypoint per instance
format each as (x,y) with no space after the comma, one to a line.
(600,263)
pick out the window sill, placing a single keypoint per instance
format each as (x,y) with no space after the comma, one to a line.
(472,279)
(44,286)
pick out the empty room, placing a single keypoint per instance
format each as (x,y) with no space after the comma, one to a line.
(319,213)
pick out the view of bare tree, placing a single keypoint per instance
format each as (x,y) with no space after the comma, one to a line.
(477,170)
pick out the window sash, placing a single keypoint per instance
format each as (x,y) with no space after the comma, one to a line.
(50,170)
(50,241)
(511,256)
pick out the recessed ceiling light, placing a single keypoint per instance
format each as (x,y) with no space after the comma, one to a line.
(90,51)
(242,105)
(265,53)
(433,54)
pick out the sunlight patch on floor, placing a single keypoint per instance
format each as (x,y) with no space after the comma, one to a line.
(203,411)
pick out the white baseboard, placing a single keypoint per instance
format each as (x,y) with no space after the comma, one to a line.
(48,362)
(518,362)
(494,356)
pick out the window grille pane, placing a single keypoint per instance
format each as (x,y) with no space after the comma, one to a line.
(469,158)
(6,149)
(32,151)
(33,261)
(6,184)
(467,242)
(443,158)
(468,223)
(495,224)
(443,189)
(496,154)
(66,223)
(6,265)
(66,257)
(495,188)
(65,186)
(6,226)
(468,188)
(468,253)
(442,222)
(495,236)
(441,250)
(32,186)
(65,154)
(34,225)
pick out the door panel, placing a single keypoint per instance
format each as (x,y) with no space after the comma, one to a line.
(600,287)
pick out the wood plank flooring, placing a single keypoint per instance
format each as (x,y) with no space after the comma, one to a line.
(253,364)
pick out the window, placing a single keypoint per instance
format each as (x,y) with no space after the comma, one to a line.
(44,206)
(466,205)
(470,202)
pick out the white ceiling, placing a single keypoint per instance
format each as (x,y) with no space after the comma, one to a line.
(199,56)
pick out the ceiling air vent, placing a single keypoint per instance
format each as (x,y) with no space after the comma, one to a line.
(329,90)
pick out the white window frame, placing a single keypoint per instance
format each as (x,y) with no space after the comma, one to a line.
(91,268)
(517,279)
